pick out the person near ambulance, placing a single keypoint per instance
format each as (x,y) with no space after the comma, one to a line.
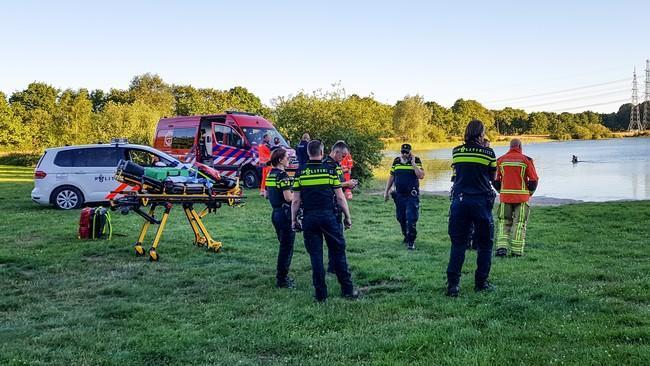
(406,173)
(516,181)
(264,152)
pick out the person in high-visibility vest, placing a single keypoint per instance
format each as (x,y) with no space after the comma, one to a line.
(346,164)
(516,181)
(264,152)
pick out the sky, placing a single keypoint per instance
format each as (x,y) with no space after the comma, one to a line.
(552,55)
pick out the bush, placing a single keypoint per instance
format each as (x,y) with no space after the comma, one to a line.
(331,117)
(581,132)
(20,159)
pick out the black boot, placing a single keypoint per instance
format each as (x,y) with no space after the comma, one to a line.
(484,286)
(453,290)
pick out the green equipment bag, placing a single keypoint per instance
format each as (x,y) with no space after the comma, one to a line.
(101,224)
(162,173)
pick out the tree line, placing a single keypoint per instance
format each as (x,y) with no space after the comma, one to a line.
(42,116)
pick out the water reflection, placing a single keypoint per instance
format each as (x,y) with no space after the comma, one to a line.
(612,169)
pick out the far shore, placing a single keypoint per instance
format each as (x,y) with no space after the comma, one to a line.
(502,140)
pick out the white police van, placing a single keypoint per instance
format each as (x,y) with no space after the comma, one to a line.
(69,177)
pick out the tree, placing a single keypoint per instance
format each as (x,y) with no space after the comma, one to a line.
(12,130)
(440,123)
(467,110)
(538,123)
(72,120)
(410,119)
(151,90)
(331,117)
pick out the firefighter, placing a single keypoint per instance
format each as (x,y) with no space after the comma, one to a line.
(317,189)
(406,173)
(347,164)
(278,186)
(516,182)
(301,151)
(264,152)
(474,165)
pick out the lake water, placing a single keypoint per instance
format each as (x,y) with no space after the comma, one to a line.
(612,169)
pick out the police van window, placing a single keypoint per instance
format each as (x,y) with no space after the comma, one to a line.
(146,158)
(91,157)
(183,138)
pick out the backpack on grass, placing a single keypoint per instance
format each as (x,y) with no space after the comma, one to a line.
(95,223)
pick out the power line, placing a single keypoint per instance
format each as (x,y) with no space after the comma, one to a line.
(557,91)
(589,105)
(559,101)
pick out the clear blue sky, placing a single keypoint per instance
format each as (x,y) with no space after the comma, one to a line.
(484,50)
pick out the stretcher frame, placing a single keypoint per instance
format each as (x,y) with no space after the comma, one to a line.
(135,201)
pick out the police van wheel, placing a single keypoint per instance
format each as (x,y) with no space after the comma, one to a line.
(67,198)
(250,178)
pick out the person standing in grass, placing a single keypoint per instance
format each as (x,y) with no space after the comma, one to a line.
(317,188)
(474,165)
(278,191)
(516,182)
(406,173)
(339,151)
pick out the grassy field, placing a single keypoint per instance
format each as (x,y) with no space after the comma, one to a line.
(580,296)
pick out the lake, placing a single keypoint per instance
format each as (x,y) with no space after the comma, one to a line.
(609,170)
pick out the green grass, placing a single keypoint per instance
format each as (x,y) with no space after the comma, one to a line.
(580,296)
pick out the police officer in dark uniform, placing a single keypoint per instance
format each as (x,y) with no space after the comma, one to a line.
(278,191)
(317,189)
(474,165)
(301,151)
(406,173)
(339,151)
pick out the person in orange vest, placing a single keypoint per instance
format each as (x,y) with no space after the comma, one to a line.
(264,152)
(516,181)
(346,165)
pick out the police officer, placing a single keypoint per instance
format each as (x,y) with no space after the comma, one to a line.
(301,151)
(339,151)
(318,189)
(406,173)
(278,190)
(474,165)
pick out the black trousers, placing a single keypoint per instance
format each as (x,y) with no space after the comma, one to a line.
(407,212)
(325,224)
(281,218)
(466,211)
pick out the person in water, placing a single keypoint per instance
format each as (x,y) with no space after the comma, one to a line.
(574,159)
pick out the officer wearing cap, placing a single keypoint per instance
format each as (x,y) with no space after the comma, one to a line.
(406,173)
(278,189)
(317,189)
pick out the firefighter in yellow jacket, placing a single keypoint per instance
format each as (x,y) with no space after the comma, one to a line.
(516,182)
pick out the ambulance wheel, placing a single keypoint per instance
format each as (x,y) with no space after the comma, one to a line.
(67,198)
(153,255)
(250,178)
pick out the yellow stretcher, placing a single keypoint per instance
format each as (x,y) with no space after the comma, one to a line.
(137,201)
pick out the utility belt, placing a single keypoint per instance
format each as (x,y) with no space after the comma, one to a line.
(324,211)
(415,192)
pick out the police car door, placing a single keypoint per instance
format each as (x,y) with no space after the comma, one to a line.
(99,177)
(228,150)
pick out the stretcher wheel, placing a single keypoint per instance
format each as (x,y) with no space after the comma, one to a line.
(153,255)
(139,250)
